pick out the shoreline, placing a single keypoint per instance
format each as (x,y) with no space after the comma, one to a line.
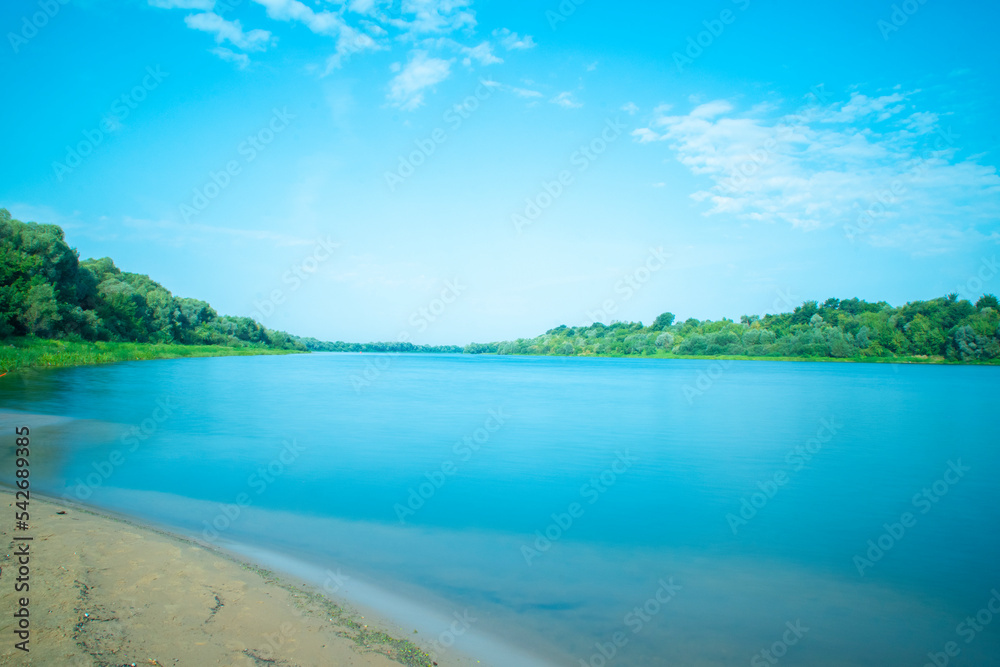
(909,361)
(423,632)
(914,361)
(107,589)
(21,354)
(51,353)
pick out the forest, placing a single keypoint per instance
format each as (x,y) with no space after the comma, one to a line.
(46,291)
(941,329)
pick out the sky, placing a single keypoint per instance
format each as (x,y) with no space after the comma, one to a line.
(449,171)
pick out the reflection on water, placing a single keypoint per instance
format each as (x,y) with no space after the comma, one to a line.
(749,502)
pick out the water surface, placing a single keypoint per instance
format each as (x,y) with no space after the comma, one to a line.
(427,484)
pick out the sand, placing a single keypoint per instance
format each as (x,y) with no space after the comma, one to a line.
(107,592)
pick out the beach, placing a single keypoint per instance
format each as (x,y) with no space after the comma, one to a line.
(104,591)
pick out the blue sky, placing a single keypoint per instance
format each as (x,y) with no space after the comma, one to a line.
(452,170)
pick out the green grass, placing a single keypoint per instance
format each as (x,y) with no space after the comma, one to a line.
(30,352)
(847,360)
(741,357)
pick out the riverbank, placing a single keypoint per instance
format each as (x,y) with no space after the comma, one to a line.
(105,591)
(937,360)
(926,360)
(19,353)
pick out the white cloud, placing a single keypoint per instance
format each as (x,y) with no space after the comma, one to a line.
(406,90)
(323,23)
(512,41)
(349,39)
(362,6)
(483,54)
(826,166)
(861,106)
(630,108)
(231,31)
(359,26)
(645,135)
(566,100)
(242,60)
(520,92)
(435,16)
(525,92)
(349,42)
(922,122)
(711,109)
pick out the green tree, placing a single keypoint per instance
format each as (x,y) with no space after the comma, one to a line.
(987,301)
(41,310)
(924,337)
(663,321)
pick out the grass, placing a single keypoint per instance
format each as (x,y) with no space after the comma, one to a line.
(921,359)
(30,352)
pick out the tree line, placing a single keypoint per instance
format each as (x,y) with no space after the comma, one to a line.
(315,345)
(944,329)
(47,291)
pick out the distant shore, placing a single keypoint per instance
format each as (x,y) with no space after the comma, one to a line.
(107,591)
(22,353)
(941,361)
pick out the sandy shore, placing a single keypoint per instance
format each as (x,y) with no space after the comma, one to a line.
(106,592)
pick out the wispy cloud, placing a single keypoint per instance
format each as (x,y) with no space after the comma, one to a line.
(231,31)
(482,53)
(362,6)
(566,100)
(524,92)
(358,26)
(512,41)
(435,16)
(242,60)
(323,23)
(349,42)
(520,92)
(862,106)
(406,90)
(825,166)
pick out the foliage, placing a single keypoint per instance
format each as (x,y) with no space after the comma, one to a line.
(31,351)
(46,291)
(314,345)
(943,329)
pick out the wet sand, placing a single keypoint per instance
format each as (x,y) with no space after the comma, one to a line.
(107,592)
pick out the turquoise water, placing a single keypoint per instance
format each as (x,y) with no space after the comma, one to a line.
(698,512)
